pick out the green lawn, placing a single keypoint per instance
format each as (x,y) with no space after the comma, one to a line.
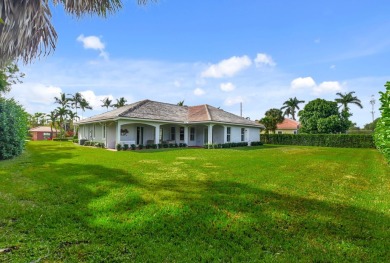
(61,202)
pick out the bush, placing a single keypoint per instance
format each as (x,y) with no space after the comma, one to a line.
(13,128)
(182,145)
(321,140)
(382,130)
(147,146)
(154,146)
(256,143)
(118,147)
(125,147)
(140,146)
(165,145)
(61,139)
(133,146)
(76,140)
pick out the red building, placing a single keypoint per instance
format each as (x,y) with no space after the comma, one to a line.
(42,133)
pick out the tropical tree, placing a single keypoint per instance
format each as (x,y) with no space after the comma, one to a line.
(120,102)
(53,119)
(26,31)
(62,114)
(322,116)
(180,103)
(62,100)
(9,74)
(106,103)
(75,100)
(271,119)
(290,107)
(346,99)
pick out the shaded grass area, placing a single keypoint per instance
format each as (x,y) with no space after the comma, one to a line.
(61,202)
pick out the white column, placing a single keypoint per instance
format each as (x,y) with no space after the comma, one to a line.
(210,134)
(118,133)
(157,134)
(186,135)
(224,134)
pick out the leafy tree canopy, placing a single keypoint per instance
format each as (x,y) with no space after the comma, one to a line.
(322,116)
(271,119)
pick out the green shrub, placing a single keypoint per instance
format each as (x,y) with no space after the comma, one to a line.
(140,146)
(165,145)
(382,130)
(118,147)
(256,143)
(160,145)
(321,140)
(76,140)
(147,146)
(171,145)
(13,128)
(125,147)
(154,146)
(133,146)
(61,139)
(102,145)
(182,145)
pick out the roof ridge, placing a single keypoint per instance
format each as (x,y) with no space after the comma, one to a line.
(137,106)
(208,112)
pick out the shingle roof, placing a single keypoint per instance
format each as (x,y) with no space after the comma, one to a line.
(42,129)
(160,111)
(288,124)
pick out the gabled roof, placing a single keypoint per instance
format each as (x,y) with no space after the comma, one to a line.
(42,129)
(160,111)
(288,124)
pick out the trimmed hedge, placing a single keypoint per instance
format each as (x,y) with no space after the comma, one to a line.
(61,139)
(321,140)
(13,128)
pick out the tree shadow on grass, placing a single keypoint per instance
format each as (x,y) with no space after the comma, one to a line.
(94,213)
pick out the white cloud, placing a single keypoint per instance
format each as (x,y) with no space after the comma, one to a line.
(227,68)
(233,100)
(332,67)
(95,100)
(227,86)
(303,83)
(327,87)
(199,92)
(264,60)
(176,83)
(93,42)
(317,40)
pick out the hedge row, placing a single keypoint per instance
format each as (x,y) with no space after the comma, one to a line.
(382,130)
(13,128)
(322,140)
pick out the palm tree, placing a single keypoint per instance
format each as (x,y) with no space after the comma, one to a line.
(120,102)
(348,98)
(84,105)
(27,31)
(180,103)
(290,107)
(75,100)
(106,103)
(53,119)
(62,100)
(62,114)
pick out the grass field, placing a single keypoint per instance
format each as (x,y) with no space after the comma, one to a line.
(60,202)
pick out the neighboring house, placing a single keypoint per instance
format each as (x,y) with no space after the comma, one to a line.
(42,133)
(288,126)
(152,122)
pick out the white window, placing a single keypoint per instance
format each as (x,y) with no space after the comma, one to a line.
(228,133)
(280,132)
(242,134)
(173,133)
(192,134)
(181,133)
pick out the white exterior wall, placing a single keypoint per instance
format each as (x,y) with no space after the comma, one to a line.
(111,135)
(218,134)
(253,134)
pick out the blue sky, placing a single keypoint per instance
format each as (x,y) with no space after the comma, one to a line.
(260,53)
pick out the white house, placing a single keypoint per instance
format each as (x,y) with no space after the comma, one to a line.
(152,122)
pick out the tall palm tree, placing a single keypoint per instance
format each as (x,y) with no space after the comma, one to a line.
(180,103)
(62,100)
(75,100)
(84,105)
(348,98)
(53,119)
(290,107)
(62,114)
(106,103)
(27,31)
(120,102)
